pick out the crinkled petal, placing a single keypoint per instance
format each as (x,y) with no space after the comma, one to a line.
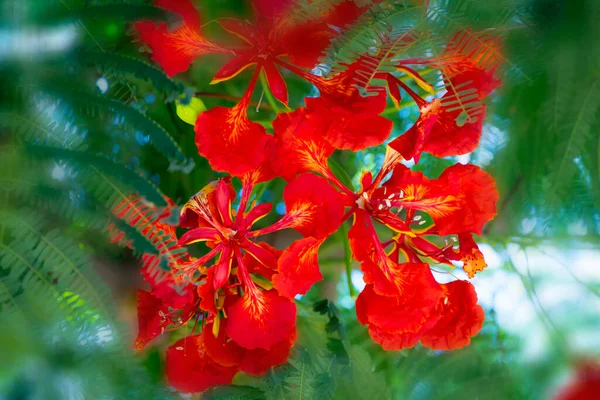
(413,305)
(461,318)
(351,122)
(298,268)
(190,369)
(261,319)
(259,361)
(393,341)
(477,196)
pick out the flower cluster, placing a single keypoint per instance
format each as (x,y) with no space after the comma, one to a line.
(241,292)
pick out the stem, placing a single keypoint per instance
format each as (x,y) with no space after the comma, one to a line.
(270,99)
(347,258)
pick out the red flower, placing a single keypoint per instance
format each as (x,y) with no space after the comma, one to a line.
(460,201)
(461,318)
(225,136)
(452,125)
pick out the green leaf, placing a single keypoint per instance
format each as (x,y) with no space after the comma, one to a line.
(189,112)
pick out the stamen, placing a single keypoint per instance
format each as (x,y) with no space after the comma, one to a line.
(422,222)
(417,218)
(388,203)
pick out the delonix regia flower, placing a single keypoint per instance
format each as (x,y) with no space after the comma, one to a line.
(239,295)
(225,136)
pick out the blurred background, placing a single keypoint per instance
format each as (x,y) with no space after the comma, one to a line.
(86,119)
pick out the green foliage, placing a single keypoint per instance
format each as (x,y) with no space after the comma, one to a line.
(60,187)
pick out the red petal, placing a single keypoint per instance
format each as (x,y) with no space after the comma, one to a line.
(258,212)
(305,43)
(230,141)
(207,291)
(265,256)
(259,361)
(410,144)
(314,205)
(472,57)
(176,50)
(298,268)
(461,318)
(150,321)
(255,266)
(261,319)
(232,68)
(221,349)
(380,270)
(361,236)
(171,293)
(436,197)
(223,268)
(271,8)
(477,194)
(352,122)
(447,138)
(276,83)
(190,369)
(299,145)
(345,12)
(411,309)
(393,341)
(197,235)
(224,198)
(202,210)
